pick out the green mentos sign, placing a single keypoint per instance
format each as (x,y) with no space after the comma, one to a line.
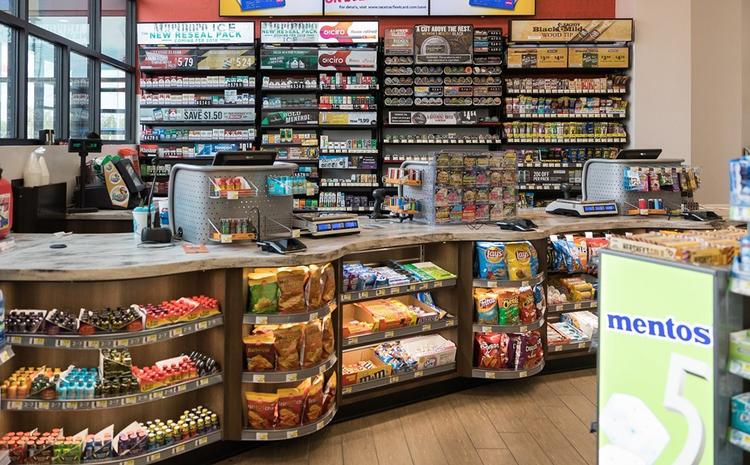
(657,362)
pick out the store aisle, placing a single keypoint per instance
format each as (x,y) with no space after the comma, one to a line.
(538,421)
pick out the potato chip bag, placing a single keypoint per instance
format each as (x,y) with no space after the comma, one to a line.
(292,289)
(486,307)
(529,351)
(287,343)
(314,401)
(291,403)
(264,291)
(328,336)
(328,275)
(519,260)
(491,350)
(260,354)
(526,306)
(507,306)
(329,396)
(261,409)
(314,288)
(312,352)
(491,260)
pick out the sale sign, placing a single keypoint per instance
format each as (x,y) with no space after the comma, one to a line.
(347,60)
(295,32)
(195,33)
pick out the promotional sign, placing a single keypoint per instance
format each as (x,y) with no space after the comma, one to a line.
(537,57)
(344,32)
(195,33)
(288,58)
(347,60)
(377,7)
(571,30)
(443,44)
(197,114)
(196,58)
(399,41)
(482,7)
(281,118)
(362,118)
(420,118)
(270,7)
(598,57)
(656,361)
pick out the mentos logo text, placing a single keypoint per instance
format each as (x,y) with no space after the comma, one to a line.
(663,329)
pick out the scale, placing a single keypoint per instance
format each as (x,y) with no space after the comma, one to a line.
(318,225)
(583,208)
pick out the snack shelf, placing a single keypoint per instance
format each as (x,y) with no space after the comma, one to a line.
(739,439)
(506,283)
(557,348)
(164,453)
(380,336)
(573,306)
(275,377)
(506,374)
(400,378)
(112,402)
(480,328)
(280,318)
(6,353)
(116,340)
(566,116)
(368,294)
(281,434)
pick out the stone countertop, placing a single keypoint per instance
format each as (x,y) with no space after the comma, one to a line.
(92,257)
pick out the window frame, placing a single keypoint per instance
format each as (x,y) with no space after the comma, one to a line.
(22,29)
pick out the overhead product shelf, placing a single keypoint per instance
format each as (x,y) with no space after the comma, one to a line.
(380,336)
(111,402)
(117,340)
(573,306)
(557,348)
(282,318)
(276,377)
(399,378)
(522,328)
(368,294)
(506,374)
(282,434)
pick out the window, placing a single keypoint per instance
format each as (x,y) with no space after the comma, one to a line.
(114,104)
(68,18)
(114,28)
(66,65)
(7,84)
(41,92)
(80,81)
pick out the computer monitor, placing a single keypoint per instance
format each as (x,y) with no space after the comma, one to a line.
(259,158)
(639,154)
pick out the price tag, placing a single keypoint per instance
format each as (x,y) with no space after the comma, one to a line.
(594,303)
(123,342)
(346,297)
(418,374)
(412,288)
(201,441)
(153,457)
(555,348)
(58,343)
(100,404)
(15,340)
(37,341)
(157,395)
(129,400)
(524,283)
(491,283)
(149,339)
(558,308)
(129,462)
(523,329)
(261,320)
(363,295)
(259,378)
(233,195)
(394,290)
(291,377)
(91,344)
(182,388)
(202,325)
(388,334)
(226,238)
(394,379)
(582,345)
(424,286)
(292,434)
(353,340)
(346,390)
(489,374)
(261,436)
(204,382)
(178,449)
(523,374)
(379,292)
(320,425)
(14,405)
(577,306)
(296,233)
(322,368)
(427,327)
(313,316)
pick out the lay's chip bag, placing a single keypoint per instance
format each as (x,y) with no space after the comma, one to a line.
(522,260)
(491,260)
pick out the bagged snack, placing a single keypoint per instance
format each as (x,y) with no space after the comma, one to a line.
(491,350)
(513,343)
(328,276)
(312,352)
(581,249)
(292,289)
(287,343)
(539,299)
(291,402)
(264,291)
(486,307)
(519,260)
(261,409)
(314,289)
(594,246)
(328,337)
(526,306)
(260,353)
(529,351)
(329,396)
(507,306)
(491,260)
(314,401)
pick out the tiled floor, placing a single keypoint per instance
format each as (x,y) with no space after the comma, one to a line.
(537,421)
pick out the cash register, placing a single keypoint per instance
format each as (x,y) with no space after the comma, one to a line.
(318,225)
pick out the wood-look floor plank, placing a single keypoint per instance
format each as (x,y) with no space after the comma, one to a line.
(553,442)
(502,413)
(451,435)
(559,383)
(475,420)
(586,385)
(358,444)
(525,449)
(415,422)
(576,432)
(390,443)
(325,446)
(496,457)
(583,409)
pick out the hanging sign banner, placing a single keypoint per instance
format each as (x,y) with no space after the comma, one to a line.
(482,7)
(196,58)
(537,57)
(347,60)
(399,41)
(270,7)
(343,32)
(598,57)
(377,7)
(421,118)
(195,33)
(442,44)
(571,30)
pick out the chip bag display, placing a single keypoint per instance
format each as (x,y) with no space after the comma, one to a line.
(491,350)
(292,289)
(287,344)
(529,351)
(328,336)
(491,260)
(519,260)
(314,402)
(507,306)
(486,306)
(261,410)
(329,396)
(263,293)
(291,403)
(314,288)
(526,306)
(312,352)
(260,353)
(328,275)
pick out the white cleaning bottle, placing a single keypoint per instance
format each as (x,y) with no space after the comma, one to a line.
(45,170)
(32,172)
